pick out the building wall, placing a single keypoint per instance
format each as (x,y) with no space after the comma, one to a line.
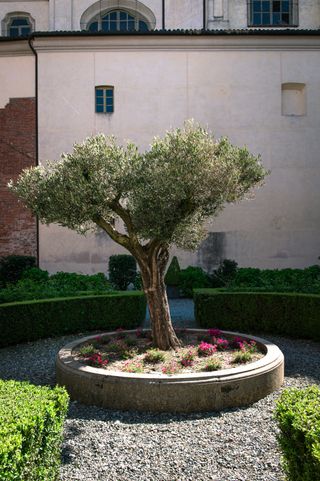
(38,9)
(237,15)
(17,152)
(230,84)
(180,14)
(17,73)
(17,144)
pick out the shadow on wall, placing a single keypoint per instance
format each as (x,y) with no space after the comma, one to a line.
(212,251)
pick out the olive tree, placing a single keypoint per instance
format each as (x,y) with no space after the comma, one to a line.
(162,198)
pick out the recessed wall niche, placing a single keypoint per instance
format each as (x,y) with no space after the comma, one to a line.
(293,99)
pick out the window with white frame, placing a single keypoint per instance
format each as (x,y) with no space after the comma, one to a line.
(118,21)
(273,13)
(17,24)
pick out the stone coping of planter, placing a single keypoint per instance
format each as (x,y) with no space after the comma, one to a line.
(273,357)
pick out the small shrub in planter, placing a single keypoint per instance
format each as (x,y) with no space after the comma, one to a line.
(154,356)
(133,366)
(187,358)
(171,367)
(241,357)
(96,360)
(87,350)
(122,271)
(212,365)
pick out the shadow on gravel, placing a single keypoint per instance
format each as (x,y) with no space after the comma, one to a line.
(90,413)
(302,357)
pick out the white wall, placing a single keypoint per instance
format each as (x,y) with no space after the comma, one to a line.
(38,9)
(17,73)
(180,14)
(66,14)
(234,93)
(309,14)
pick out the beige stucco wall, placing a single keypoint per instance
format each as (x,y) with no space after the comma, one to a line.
(309,13)
(235,92)
(66,14)
(17,72)
(180,14)
(38,9)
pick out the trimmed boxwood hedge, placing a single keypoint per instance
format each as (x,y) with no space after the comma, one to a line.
(295,315)
(31,320)
(298,416)
(31,421)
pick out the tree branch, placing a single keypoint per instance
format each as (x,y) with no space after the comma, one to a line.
(121,239)
(125,216)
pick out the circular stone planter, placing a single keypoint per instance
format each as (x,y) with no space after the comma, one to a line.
(195,392)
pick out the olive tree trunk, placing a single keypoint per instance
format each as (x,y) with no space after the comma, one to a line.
(152,273)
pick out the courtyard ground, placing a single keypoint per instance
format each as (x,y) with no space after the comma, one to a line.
(233,445)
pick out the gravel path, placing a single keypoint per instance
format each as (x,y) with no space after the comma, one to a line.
(100,445)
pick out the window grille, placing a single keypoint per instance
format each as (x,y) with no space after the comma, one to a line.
(18,26)
(118,21)
(273,13)
(104,99)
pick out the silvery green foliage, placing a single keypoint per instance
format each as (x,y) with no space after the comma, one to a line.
(169,191)
(81,184)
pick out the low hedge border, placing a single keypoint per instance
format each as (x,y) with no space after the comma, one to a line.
(31,422)
(294,315)
(298,416)
(31,320)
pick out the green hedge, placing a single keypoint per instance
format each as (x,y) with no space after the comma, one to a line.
(31,421)
(31,320)
(36,284)
(298,416)
(295,315)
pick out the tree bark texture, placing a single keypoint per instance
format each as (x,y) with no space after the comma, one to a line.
(152,259)
(163,334)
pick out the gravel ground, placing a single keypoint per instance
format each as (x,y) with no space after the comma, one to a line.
(232,445)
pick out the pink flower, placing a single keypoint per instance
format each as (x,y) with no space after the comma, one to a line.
(222,344)
(170,368)
(214,332)
(187,359)
(96,360)
(205,349)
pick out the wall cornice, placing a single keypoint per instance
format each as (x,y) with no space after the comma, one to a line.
(15,48)
(176,43)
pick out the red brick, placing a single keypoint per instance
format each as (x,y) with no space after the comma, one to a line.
(17,152)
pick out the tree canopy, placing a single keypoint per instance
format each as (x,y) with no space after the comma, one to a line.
(164,194)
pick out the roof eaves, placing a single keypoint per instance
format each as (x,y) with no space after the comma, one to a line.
(217,32)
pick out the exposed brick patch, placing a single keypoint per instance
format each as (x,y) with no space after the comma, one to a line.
(17,151)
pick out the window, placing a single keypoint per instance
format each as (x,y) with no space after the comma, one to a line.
(17,24)
(104,100)
(118,21)
(18,27)
(273,13)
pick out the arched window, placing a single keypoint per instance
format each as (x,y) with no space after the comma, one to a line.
(17,24)
(118,21)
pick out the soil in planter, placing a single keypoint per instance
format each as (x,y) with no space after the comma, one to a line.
(135,353)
